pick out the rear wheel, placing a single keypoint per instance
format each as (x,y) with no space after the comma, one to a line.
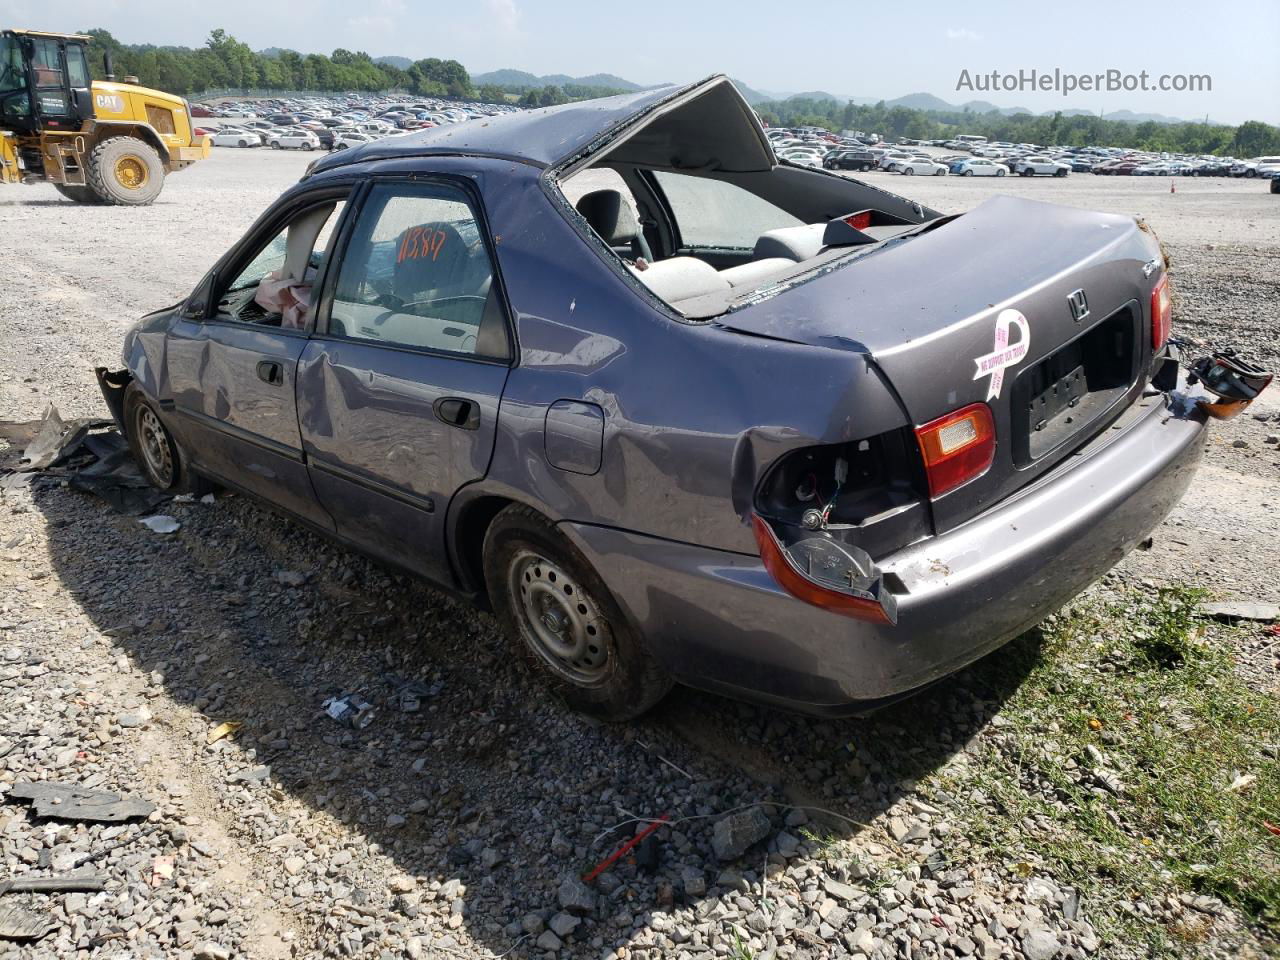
(78,194)
(161,460)
(564,620)
(126,171)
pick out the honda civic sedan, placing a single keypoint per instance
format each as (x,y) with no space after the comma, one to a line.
(676,410)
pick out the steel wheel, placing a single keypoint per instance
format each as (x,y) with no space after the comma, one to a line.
(559,619)
(156,449)
(131,173)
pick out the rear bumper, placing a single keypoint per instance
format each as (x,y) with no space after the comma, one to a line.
(719,621)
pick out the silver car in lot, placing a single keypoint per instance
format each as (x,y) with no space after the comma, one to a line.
(719,419)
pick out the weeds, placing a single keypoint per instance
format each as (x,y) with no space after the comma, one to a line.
(1131,729)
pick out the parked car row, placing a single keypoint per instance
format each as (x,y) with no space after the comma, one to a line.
(334,123)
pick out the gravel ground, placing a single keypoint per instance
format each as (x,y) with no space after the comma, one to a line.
(461,829)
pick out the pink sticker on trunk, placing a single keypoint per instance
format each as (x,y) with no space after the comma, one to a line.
(993,364)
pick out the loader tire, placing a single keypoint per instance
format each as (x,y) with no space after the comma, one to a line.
(78,194)
(125,171)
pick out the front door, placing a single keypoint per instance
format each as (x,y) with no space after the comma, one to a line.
(398,392)
(233,372)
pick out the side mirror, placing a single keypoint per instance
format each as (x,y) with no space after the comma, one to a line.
(83,103)
(196,306)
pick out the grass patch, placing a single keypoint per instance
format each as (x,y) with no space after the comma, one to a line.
(1130,729)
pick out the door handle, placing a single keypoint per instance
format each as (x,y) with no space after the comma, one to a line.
(270,371)
(457,412)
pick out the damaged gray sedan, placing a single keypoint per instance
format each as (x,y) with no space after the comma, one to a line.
(677,411)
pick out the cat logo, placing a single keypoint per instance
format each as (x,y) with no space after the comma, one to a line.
(111,102)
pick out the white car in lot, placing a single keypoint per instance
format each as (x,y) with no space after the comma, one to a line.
(346,140)
(919,167)
(296,140)
(981,167)
(892,158)
(1041,166)
(231,137)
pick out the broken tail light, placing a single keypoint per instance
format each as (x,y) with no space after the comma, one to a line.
(957,447)
(822,572)
(1161,313)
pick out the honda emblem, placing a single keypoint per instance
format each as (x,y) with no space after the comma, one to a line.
(1079,304)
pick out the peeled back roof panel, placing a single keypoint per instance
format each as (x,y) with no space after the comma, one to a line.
(549,136)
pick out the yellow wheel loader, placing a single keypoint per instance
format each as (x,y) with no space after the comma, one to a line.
(96,142)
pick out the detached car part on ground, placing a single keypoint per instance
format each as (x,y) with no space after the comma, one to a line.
(727,421)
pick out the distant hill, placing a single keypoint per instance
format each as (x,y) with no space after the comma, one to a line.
(400,63)
(521,78)
(751,96)
(814,95)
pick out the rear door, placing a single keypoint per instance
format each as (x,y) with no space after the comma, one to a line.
(233,369)
(398,392)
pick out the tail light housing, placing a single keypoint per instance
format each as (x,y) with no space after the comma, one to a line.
(957,447)
(864,598)
(1161,313)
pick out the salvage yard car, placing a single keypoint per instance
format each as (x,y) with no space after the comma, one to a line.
(724,420)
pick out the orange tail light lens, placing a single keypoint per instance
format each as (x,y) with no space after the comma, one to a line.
(1161,313)
(957,447)
(784,571)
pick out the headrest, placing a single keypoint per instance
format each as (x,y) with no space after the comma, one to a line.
(610,216)
(793,243)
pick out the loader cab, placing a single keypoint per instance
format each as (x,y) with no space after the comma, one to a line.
(45,82)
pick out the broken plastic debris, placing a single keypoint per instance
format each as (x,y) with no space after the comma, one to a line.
(87,882)
(208,498)
(66,801)
(224,729)
(350,710)
(1242,782)
(161,523)
(17,923)
(409,696)
(161,870)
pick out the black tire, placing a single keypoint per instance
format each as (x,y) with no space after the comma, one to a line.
(968,173)
(1028,172)
(78,194)
(306,146)
(999,173)
(1275,184)
(158,455)
(275,145)
(614,679)
(126,171)
(243,143)
(908,172)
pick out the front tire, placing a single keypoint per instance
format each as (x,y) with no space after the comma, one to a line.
(565,622)
(968,173)
(78,194)
(161,460)
(908,172)
(126,171)
(999,173)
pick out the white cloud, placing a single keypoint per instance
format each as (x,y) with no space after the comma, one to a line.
(505,14)
(962,33)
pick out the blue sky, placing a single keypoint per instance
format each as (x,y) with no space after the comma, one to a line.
(872,50)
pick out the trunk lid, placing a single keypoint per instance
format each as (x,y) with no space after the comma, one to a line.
(980,309)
